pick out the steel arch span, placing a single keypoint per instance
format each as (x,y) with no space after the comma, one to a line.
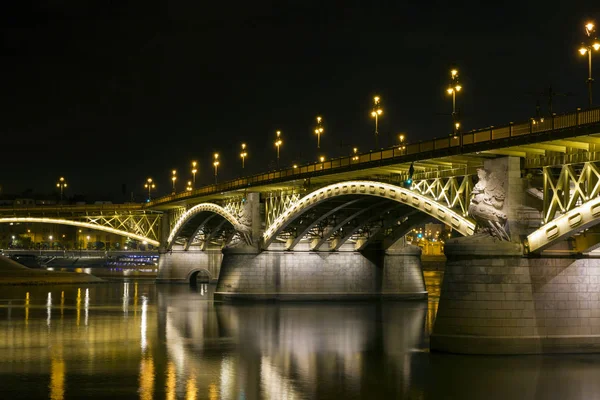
(370,188)
(189,214)
(79,224)
(582,217)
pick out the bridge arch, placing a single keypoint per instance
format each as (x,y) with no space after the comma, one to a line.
(79,224)
(188,217)
(581,217)
(382,190)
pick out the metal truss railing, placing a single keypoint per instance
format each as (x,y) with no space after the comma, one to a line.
(146,225)
(422,149)
(454,192)
(276,204)
(573,185)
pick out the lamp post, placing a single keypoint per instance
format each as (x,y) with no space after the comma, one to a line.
(319,130)
(194,170)
(592,44)
(62,184)
(174,178)
(189,186)
(376,112)
(149,185)
(216,165)
(278,143)
(355,154)
(243,155)
(401,139)
(452,90)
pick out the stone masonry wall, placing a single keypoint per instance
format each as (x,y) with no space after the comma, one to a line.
(177,266)
(317,276)
(516,305)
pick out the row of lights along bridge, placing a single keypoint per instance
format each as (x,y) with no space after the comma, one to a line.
(591,44)
(376,112)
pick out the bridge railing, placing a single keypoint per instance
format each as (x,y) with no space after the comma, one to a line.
(489,134)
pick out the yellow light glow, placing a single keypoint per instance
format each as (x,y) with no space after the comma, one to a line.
(458,88)
(194,163)
(454,72)
(243,146)
(380,111)
(376,99)
(174,171)
(295,166)
(596,46)
(58,185)
(355,150)
(582,50)
(449,90)
(589,26)
(373,113)
(216,155)
(321,158)
(319,120)
(278,133)
(457,125)
(401,137)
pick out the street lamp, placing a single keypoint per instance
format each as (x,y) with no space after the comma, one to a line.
(216,165)
(51,243)
(592,44)
(174,178)
(319,130)
(355,154)
(376,112)
(194,170)
(243,154)
(62,184)
(149,185)
(322,159)
(189,186)
(452,90)
(401,138)
(278,143)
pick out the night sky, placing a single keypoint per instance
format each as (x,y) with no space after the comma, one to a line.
(107,93)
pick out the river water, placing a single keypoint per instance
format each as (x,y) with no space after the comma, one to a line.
(134,339)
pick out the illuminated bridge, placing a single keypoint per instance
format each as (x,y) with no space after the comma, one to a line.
(521,275)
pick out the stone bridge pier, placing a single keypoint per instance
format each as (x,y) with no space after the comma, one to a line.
(495,299)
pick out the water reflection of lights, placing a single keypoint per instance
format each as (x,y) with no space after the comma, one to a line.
(143,324)
(57,379)
(272,384)
(86,305)
(147,379)
(170,381)
(49,308)
(26,308)
(78,305)
(62,304)
(227,374)
(191,389)
(125,298)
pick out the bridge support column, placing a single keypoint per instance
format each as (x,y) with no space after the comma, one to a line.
(178,266)
(300,275)
(495,301)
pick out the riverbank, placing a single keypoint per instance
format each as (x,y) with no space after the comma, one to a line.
(13,273)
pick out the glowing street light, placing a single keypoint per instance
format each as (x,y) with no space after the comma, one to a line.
(243,154)
(375,113)
(216,165)
(454,87)
(592,44)
(189,186)
(402,138)
(194,170)
(322,159)
(174,178)
(319,130)
(62,184)
(355,154)
(278,143)
(149,185)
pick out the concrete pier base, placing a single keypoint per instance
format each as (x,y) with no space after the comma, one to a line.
(179,266)
(278,275)
(495,301)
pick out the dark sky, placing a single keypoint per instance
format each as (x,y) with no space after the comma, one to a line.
(107,93)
